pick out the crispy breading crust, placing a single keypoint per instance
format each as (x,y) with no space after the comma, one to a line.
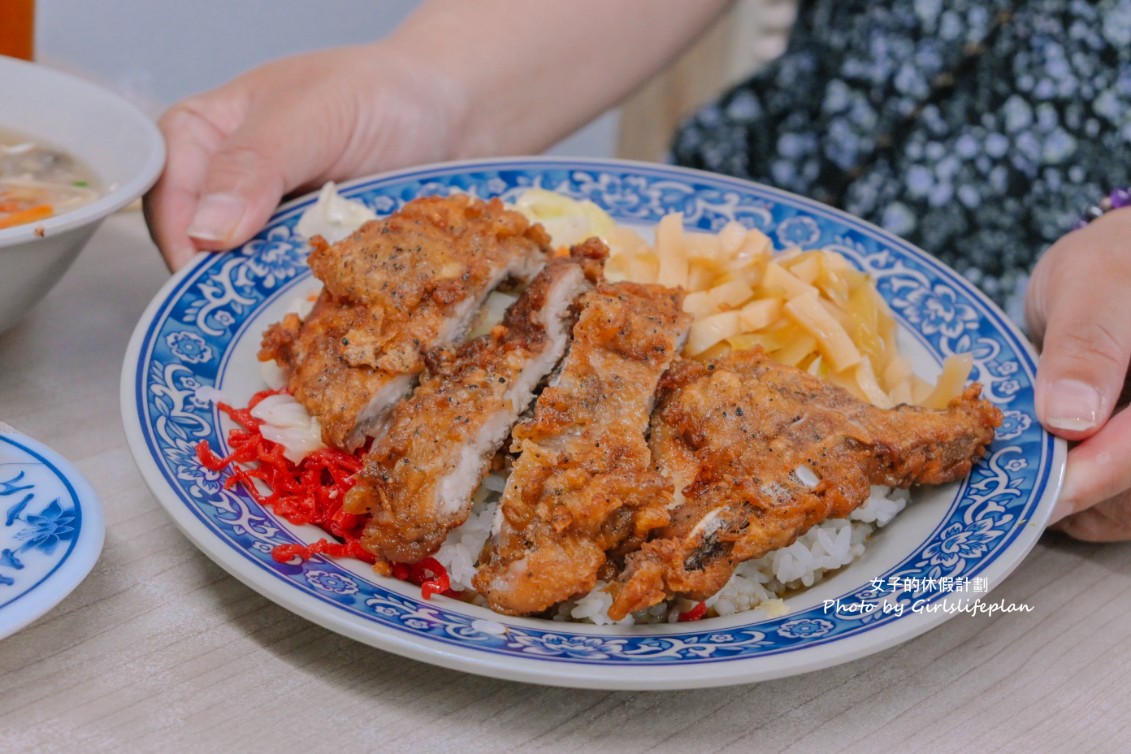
(733,433)
(583,483)
(392,290)
(419,477)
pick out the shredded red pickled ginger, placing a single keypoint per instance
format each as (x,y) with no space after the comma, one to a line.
(309,492)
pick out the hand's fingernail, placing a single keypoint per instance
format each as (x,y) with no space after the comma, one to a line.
(217,217)
(1072,405)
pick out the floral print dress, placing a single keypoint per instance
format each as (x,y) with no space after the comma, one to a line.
(977,129)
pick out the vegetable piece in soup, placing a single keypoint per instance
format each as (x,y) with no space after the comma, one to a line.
(39,181)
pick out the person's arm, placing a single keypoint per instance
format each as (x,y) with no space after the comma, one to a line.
(539,69)
(1079,310)
(457,79)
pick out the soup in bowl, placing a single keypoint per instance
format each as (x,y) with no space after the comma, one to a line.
(38,181)
(71,154)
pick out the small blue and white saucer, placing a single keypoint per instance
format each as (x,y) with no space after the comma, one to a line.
(51,530)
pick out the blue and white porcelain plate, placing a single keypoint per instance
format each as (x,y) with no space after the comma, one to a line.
(51,533)
(942,555)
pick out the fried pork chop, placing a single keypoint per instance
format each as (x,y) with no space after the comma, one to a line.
(419,477)
(394,289)
(760,452)
(583,483)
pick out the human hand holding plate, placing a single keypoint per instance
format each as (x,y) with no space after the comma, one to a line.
(1078,310)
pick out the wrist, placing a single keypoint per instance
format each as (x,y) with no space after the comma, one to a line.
(521,76)
(450,84)
(419,112)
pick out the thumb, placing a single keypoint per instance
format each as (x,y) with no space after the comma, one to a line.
(245,180)
(1080,303)
(282,143)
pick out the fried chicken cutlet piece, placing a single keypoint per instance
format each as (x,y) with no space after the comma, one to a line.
(583,483)
(759,452)
(419,477)
(394,289)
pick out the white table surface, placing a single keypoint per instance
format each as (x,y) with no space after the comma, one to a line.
(160,650)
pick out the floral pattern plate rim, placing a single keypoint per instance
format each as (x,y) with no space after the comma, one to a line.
(52,530)
(202,331)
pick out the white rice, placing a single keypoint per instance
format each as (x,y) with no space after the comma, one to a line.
(825,548)
(463,544)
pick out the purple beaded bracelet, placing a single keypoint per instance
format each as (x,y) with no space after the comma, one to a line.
(1117,199)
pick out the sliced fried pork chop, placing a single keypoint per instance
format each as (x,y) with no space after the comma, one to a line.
(760,452)
(583,483)
(393,290)
(419,477)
